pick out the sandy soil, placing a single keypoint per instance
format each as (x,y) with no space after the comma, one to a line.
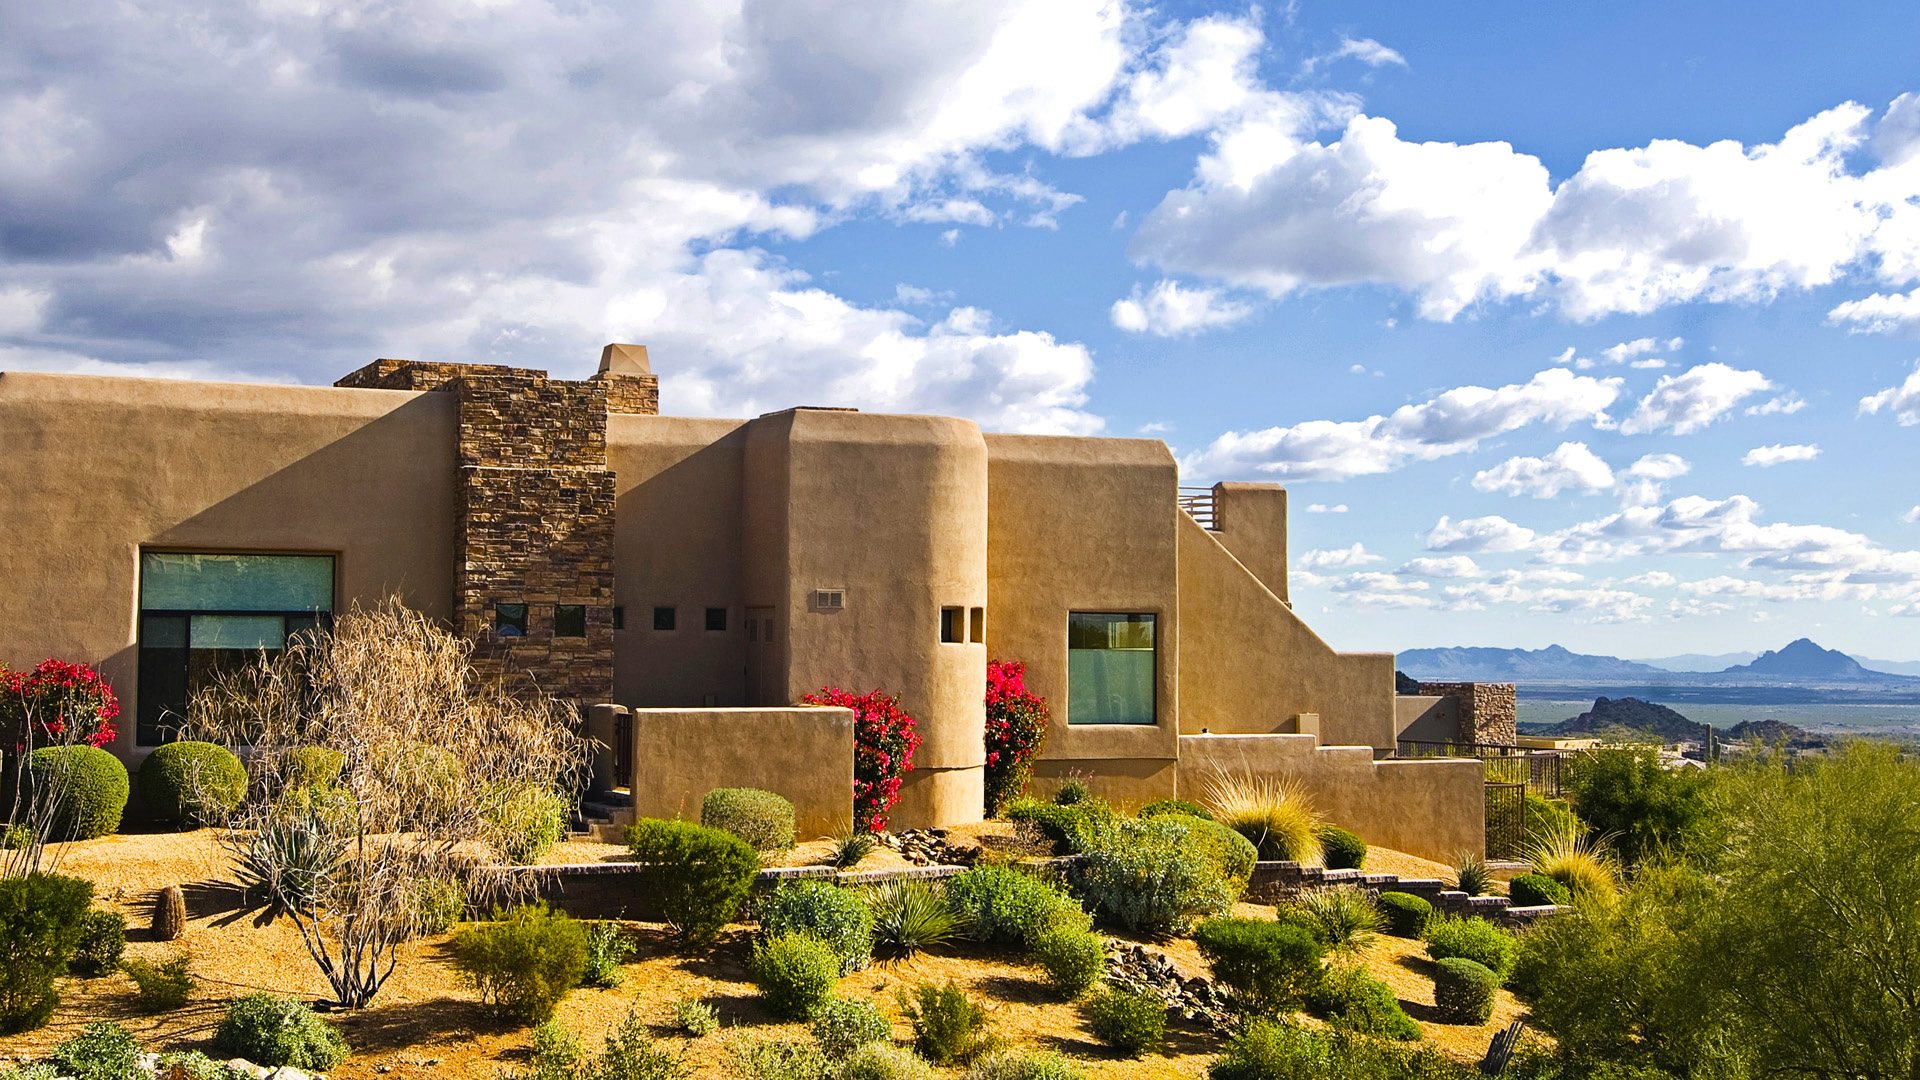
(426,1023)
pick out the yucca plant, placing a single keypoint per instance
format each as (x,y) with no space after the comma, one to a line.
(850,845)
(1346,916)
(1471,874)
(290,862)
(1271,811)
(909,916)
(1585,866)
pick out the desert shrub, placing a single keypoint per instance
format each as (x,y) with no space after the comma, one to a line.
(1068,828)
(1572,858)
(99,1051)
(777,1059)
(1471,875)
(694,1017)
(555,1053)
(835,915)
(1150,877)
(40,925)
(1132,1022)
(192,783)
(525,821)
(883,1061)
(1233,853)
(102,940)
(1016,731)
(160,987)
(1273,1050)
(630,1053)
(313,766)
(275,1031)
(1075,959)
(761,818)
(850,845)
(794,972)
(700,875)
(92,787)
(39,1070)
(911,915)
(1453,937)
(1639,808)
(1016,1065)
(524,961)
(1540,815)
(948,1026)
(1164,807)
(607,948)
(884,739)
(1463,991)
(1352,999)
(843,1025)
(1072,791)
(1344,916)
(1269,966)
(189,1065)
(1537,890)
(15,838)
(1272,812)
(1004,906)
(1407,914)
(439,905)
(1341,849)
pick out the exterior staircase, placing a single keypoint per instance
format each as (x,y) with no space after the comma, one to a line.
(603,816)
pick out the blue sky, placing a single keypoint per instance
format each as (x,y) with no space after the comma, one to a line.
(1594,330)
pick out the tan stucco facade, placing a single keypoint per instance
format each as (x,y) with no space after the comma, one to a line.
(753,561)
(681,754)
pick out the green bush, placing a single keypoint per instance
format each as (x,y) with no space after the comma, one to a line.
(39,1070)
(556,1054)
(883,1061)
(607,948)
(103,939)
(948,1026)
(1074,959)
(795,973)
(1274,1050)
(1164,807)
(438,905)
(92,787)
(1233,853)
(761,818)
(40,926)
(631,1054)
(161,987)
(1463,991)
(778,1059)
(835,915)
(1014,1065)
(1451,936)
(842,1025)
(1269,966)
(700,875)
(192,783)
(524,961)
(1129,1021)
(1640,808)
(1407,914)
(189,1065)
(313,766)
(1068,828)
(1004,906)
(275,1031)
(1341,849)
(1072,792)
(1352,999)
(525,821)
(1151,876)
(1537,890)
(100,1051)
(694,1017)
(1472,876)
(1344,916)
(910,915)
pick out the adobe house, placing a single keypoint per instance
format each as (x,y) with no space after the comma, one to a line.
(687,580)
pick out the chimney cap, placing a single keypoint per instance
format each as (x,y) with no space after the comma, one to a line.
(617,359)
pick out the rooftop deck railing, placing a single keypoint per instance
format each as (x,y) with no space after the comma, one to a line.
(1198,503)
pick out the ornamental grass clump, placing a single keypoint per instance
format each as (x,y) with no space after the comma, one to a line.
(1273,812)
(910,915)
(884,739)
(1471,875)
(1344,916)
(1016,732)
(1584,865)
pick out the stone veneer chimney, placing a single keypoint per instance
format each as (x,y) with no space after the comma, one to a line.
(632,387)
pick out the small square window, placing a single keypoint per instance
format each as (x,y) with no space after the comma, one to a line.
(664,618)
(509,620)
(619,617)
(977,625)
(569,620)
(769,628)
(953,625)
(716,618)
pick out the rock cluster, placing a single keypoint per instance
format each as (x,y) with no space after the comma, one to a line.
(1195,1000)
(238,1069)
(929,847)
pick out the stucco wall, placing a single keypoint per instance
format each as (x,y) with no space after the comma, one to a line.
(1250,665)
(1250,520)
(1433,807)
(804,754)
(1086,525)
(1427,717)
(93,469)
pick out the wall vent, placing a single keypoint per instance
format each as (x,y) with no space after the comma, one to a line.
(829,599)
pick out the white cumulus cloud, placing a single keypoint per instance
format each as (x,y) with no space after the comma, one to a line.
(1445,566)
(1338,558)
(1902,401)
(1780,453)
(1684,403)
(1570,467)
(1170,309)
(1491,533)
(1880,313)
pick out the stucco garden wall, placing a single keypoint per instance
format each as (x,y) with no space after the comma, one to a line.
(804,754)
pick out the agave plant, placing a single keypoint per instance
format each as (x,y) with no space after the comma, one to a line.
(1471,874)
(1584,865)
(850,845)
(910,915)
(1273,812)
(290,861)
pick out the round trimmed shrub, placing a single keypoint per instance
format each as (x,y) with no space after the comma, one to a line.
(275,1031)
(795,973)
(103,940)
(1070,829)
(1407,914)
(1341,849)
(93,789)
(1537,890)
(1178,807)
(1352,999)
(1490,946)
(1234,853)
(1074,959)
(1004,906)
(1463,991)
(313,766)
(1268,965)
(761,818)
(699,875)
(192,783)
(1132,1023)
(843,1025)
(835,915)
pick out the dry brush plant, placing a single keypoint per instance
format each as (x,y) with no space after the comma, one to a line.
(433,762)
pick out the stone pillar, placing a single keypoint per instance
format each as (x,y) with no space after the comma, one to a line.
(1487,711)
(632,387)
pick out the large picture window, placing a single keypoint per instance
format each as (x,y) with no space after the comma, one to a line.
(205,614)
(1110,668)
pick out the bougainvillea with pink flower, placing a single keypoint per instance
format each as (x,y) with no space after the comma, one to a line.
(66,703)
(884,740)
(1016,730)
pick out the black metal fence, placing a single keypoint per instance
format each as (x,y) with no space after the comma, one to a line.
(1512,773)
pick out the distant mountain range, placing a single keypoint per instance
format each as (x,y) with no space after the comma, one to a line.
(1634,717)
(1800,661)
(1713,662)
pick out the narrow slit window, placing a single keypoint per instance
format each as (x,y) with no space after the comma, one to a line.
(619,617)
(953,625)
(977,625)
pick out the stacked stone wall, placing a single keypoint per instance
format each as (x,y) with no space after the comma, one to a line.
(1487,710)
(631,394)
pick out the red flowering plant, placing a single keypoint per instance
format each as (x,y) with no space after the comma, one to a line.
(56,704)
(884,740)
(1016,730)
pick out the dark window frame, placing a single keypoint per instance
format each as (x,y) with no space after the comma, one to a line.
(716,615)
(1151,618)
(669,623)
(576,617)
